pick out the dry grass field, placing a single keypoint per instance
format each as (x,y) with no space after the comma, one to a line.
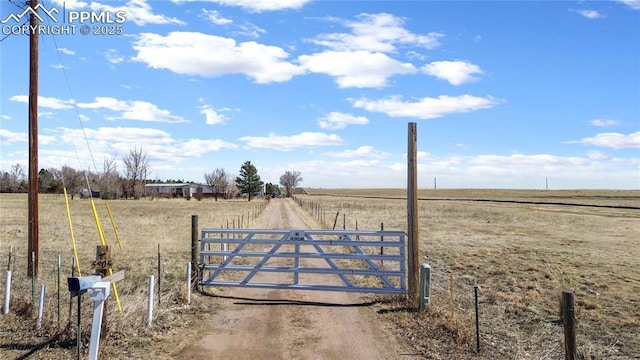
(142,226)
(520,251)
(523,253)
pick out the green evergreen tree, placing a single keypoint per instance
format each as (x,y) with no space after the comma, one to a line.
(249,181)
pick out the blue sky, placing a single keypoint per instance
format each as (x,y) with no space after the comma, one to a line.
(504,93)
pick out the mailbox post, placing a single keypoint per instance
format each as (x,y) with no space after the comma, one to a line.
(102,265)
(100,290)
(99,295)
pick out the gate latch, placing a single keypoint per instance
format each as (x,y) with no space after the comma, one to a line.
(296,235)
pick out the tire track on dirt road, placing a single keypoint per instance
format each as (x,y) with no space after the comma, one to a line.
(292,324)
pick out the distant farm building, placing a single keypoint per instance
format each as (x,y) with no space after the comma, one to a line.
(86,194)
(179,190)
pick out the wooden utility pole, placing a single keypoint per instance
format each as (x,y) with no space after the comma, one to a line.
(413,239)
(32,255)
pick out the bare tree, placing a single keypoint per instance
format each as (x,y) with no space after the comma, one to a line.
(137,169)
(231,189)
(16,178)
(109,179)
(290,180)
(217,182)
(71,180)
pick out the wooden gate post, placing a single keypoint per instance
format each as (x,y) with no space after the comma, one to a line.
(569,321)
(413,238)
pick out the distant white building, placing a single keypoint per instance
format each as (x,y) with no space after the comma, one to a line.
(186,190)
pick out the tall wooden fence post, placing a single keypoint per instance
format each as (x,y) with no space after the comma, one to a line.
(194,249)
(413,239)
(569,321)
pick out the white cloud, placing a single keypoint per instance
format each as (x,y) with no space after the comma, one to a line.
(423,155)
(287,143)
(215,17)
(45,102)
(189,53)
(66,51)
(359,173)
(338,120)
(590,14)
(71,4)
(113,57)
(256,5)
(114,135)
(212,117)
(376,33)
(136,11)
(604,122)
(426,108)
(360,69)
(633,4)
(528,171)
(46,140)
(525,160)
(5,117)
(57,66)
(45,114)
(250,30)
(361,152)
(455,72)
(199,147)
(133,110)
(161,147)
(596,155)
(414,55)
(612,140)
(7,137)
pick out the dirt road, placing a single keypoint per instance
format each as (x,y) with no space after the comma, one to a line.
(287,324)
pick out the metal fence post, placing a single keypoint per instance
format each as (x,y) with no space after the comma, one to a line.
(194,248)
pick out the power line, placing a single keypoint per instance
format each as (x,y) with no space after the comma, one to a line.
(19,6)
(10,33)
(75,107)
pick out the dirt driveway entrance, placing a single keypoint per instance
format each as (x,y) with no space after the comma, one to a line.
(288,324)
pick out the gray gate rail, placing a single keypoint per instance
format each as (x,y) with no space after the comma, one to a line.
(359,261)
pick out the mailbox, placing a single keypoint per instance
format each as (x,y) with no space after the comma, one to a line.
(82,283)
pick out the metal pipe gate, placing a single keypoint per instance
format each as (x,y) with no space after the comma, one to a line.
(329,260)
